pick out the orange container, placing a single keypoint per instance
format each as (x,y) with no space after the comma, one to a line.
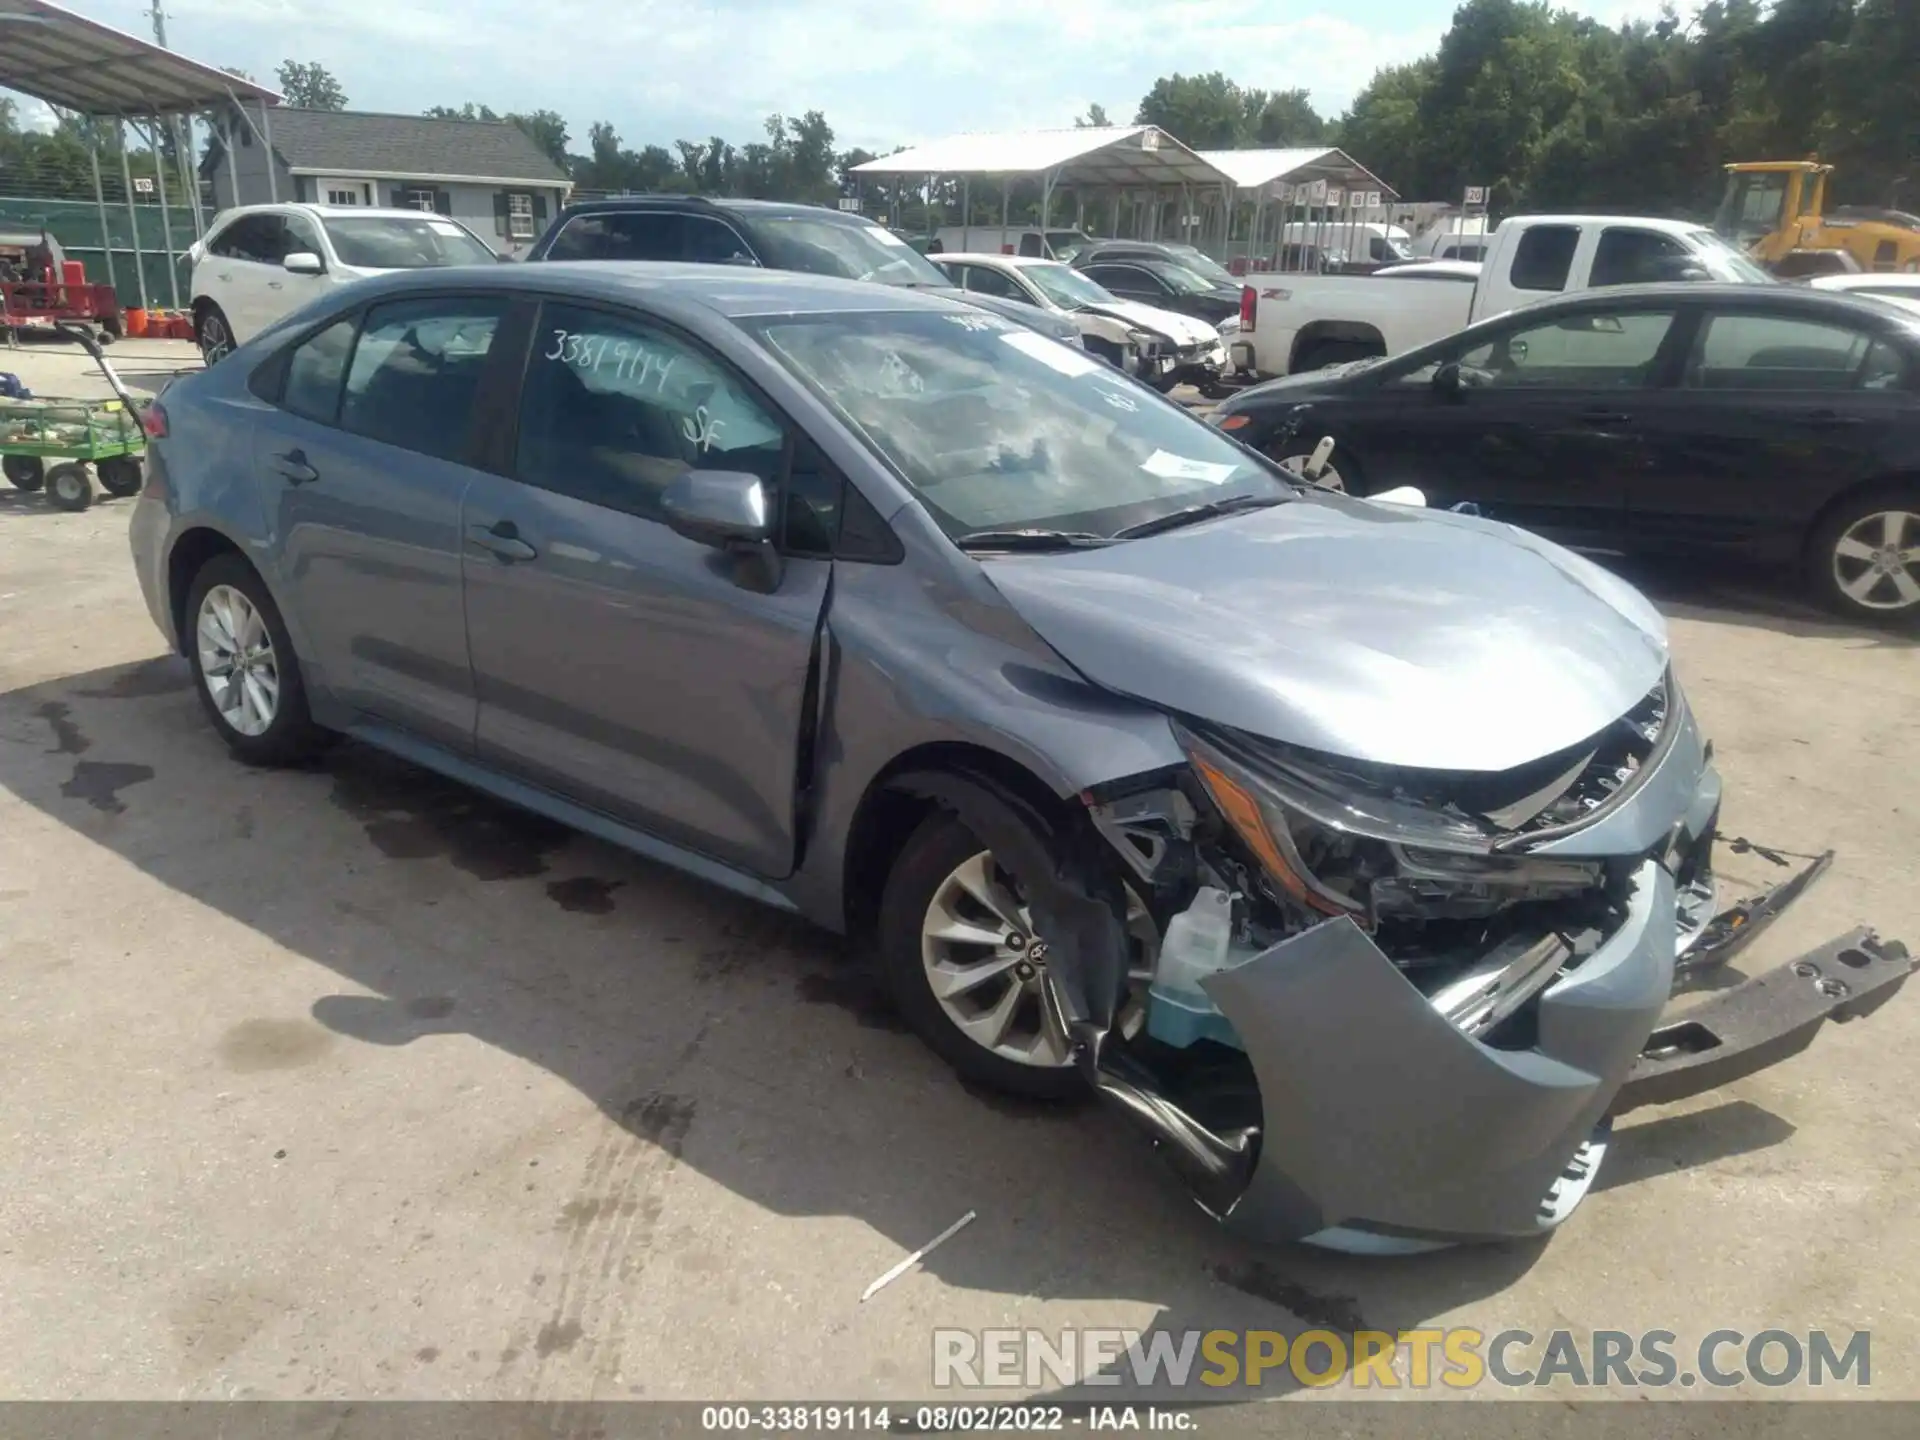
(183,327)
(136,322)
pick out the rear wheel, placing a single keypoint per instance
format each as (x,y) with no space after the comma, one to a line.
(960,955)
(1865,560)
(27,472)
(69,486)
(249,678)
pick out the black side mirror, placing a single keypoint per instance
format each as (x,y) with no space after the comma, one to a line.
(727,510)
(1448,383)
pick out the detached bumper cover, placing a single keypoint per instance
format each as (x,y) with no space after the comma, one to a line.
(1380,1115)
(1384,1121)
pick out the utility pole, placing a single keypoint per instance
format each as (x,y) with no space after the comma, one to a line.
(179,127)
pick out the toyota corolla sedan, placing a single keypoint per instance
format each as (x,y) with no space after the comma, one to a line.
(1350,850)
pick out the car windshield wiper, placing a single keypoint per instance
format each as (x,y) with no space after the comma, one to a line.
(1031,539)
(1226,505)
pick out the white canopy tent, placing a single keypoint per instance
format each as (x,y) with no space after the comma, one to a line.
(1119,158)
(1324,187)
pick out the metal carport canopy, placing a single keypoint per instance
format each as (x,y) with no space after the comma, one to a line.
(1259,169)
(79,64)
(1084,155)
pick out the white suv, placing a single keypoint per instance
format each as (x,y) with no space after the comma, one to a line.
(260,261)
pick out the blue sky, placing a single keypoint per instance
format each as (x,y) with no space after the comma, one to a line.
(886,72)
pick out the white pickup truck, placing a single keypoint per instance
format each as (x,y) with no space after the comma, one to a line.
(1293,322)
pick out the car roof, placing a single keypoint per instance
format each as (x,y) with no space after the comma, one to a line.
(307,207)
(1636,222)
(988,257)
(616,204)
(1755,295)
(731,291)
(1862,279)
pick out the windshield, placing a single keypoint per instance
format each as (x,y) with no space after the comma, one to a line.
(1065,244)
(1722,261)
(1183,280)
(1753,206)
(853,251)
(1066,287)
(997,428)
(402,242)
(1204,265)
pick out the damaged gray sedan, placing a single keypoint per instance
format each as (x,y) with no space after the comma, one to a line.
(1350,850)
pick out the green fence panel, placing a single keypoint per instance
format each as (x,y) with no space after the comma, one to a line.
(76,225)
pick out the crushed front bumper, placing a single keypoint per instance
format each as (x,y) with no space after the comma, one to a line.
(1385,1128)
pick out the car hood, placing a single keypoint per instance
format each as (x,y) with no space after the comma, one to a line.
(1184,329)
(1375,632)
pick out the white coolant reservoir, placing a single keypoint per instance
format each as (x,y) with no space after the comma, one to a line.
(1198,943)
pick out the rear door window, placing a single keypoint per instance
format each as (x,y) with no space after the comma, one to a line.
(1627,256)
(416,371)
(1544,257)
(1774,352)
(315,371)
(630,235)
(259,238)
(713,242)
(982,280)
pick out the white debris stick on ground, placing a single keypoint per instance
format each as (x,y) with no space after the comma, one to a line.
(916,1257)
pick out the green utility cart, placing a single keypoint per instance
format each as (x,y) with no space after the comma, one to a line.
(107,435)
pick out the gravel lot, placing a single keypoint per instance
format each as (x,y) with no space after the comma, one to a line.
(349,1083)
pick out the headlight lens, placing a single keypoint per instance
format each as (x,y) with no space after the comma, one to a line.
(1322,838)
(1340,845)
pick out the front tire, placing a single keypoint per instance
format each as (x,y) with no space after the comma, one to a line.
(1864,561)
(959,956)
(69,486)
(247,675)
(214,335)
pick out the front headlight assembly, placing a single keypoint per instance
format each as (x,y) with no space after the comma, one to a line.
(1338,845)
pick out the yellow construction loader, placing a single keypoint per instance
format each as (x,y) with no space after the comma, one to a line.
(1777,210)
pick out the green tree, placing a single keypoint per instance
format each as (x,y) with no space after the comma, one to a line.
(547,130)
(1205,112)
(1095,118)
(310,86)
(1283,118)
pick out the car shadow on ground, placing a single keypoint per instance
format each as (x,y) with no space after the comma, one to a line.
(711,1033)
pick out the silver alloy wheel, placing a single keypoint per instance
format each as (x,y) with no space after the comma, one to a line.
(1876,563)
(237,662)
(1296,466)
(215,342)
(987,968)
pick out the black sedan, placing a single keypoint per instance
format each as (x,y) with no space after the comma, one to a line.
(1160,275)
(1771,421)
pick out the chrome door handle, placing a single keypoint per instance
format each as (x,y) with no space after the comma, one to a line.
(293,467)
(502,540)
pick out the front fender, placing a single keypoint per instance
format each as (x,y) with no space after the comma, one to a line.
(906,669)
